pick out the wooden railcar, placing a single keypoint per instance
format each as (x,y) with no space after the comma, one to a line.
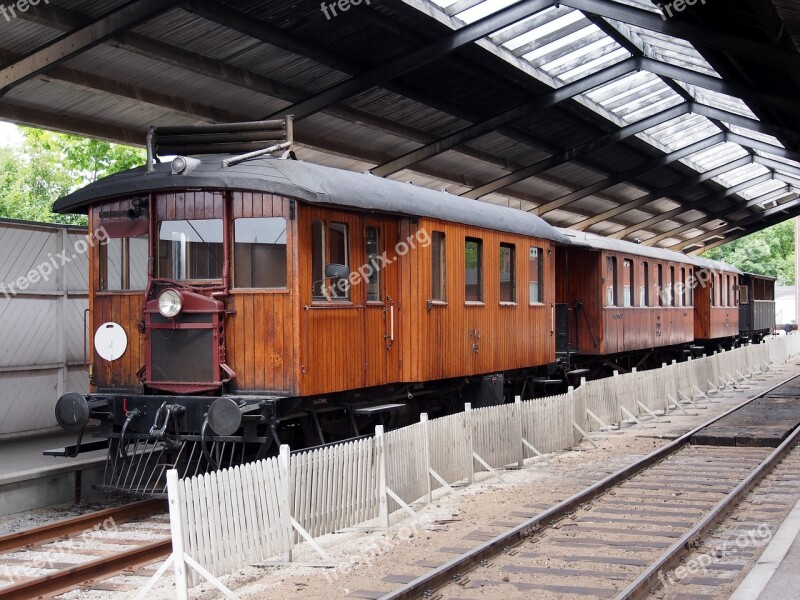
(756,306)
(621,299)
(716,315)
(239,303)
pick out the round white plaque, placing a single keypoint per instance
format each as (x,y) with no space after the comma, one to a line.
(110,341)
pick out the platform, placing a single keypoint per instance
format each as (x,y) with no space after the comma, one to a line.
(764,422)
(29,480)
(776,576)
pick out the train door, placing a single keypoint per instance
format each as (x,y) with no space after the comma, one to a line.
(380,273)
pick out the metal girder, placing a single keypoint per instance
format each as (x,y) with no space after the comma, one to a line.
(656,163)
(715,84)
(792,213)
(777,165)
(430,52)
(83,80)
(711,216)
(67,123)
(657,194)
(747,142)
(491,124)
(576,151)
(737,224)
(710,112)
(697,35)
(65,47)
(760,200)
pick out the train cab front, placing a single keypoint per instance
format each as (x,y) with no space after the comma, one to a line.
(162,390)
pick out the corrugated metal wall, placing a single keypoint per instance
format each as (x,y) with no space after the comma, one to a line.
(42,325)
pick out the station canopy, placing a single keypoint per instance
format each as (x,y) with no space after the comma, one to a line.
(677,126)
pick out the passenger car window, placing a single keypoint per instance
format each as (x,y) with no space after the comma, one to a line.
(439,267)
(644,287)
(508,273)
(473,266)
(612,296)
(535,276)
(373,277)
(329,245)
(627,283)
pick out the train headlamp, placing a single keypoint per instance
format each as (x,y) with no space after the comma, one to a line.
(169,303)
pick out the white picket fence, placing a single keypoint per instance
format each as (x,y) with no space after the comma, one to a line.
(250,514)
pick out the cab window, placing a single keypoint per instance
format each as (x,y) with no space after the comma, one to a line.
(259,253)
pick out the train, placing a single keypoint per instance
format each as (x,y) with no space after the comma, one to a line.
(241,299)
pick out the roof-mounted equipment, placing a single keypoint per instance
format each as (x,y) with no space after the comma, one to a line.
(247,140)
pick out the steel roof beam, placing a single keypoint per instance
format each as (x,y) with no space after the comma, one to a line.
(769,196)
(737,224)
(716,84)
(777,165)
(759,226)
(493,123)
(71,44)
(711,216)
(744,122)
(576,151)
(753,144)
(411,61)
(658,194)
(656,163)
(697,35)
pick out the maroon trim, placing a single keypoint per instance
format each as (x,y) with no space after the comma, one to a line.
(125,229)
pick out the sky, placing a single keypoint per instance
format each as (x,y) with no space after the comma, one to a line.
(9,134)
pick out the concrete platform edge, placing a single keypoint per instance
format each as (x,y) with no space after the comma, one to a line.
(770,561)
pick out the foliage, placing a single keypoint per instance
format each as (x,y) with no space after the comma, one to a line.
(768,252)
(49,165)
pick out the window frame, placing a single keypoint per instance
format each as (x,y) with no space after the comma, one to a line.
(324,298)
(479,270)
(512,248)
(644,270)
(539,274)
(627,272)
(612,266)
(159,240)
(376,270)
(439,245)
(125,270)
(234,288)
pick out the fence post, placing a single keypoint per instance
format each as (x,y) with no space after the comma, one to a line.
(426,442)
(517,413)
(470,445)
(176,527)
(383,501)
(284,467)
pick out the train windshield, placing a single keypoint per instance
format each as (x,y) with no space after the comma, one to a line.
(190,249)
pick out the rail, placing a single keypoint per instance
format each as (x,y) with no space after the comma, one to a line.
(104,567)
(453,570)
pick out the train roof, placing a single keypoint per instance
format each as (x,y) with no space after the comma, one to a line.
(760,276)
(599,242)
(315,184)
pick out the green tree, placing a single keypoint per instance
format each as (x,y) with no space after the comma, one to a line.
(768,252)
(49,165)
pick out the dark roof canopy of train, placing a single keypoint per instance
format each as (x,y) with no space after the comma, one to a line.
(316,184)
(679,127)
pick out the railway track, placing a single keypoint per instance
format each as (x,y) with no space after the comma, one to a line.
(54,558)
(621,537)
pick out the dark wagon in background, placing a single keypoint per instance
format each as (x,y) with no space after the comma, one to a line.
(756,306)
